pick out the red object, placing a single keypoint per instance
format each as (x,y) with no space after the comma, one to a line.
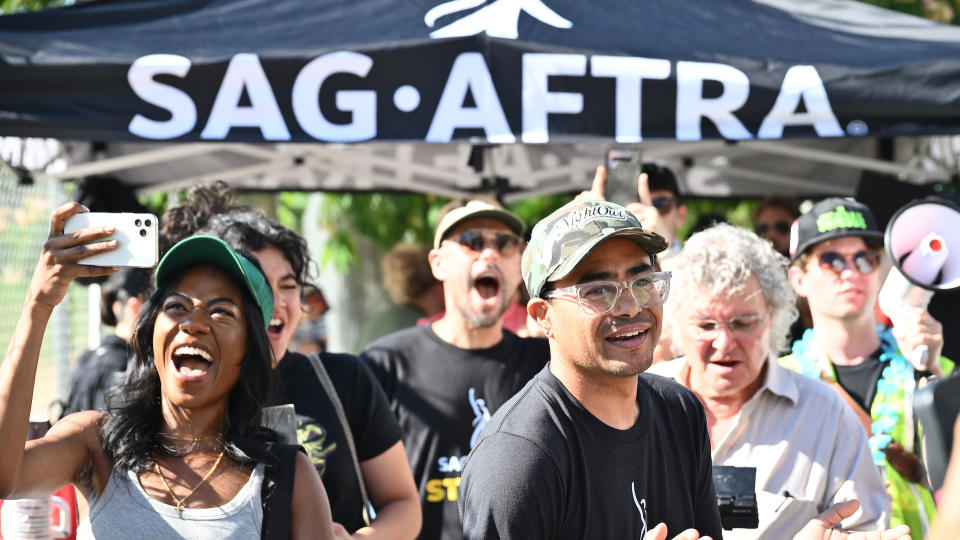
(69,495)
(881,316)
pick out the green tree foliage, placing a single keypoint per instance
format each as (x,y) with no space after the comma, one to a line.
(386,218)
(392,218)
(13,6)
(944,11)
(736,211)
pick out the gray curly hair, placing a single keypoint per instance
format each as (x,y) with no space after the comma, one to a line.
(720,260)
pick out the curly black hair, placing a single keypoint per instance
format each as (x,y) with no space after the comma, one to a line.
(129,431)
(201,204)
(211,209)
(253,231)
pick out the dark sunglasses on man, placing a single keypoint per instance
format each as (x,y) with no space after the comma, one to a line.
(863,261)
(477,240)
(663,204)
(782,227)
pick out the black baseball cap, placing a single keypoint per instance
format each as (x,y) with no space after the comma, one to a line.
(831,218)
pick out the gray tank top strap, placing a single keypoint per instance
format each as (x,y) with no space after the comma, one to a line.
(124,510)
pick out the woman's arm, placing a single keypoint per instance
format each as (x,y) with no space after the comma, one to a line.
(394,495)
(310,516)
(42,467)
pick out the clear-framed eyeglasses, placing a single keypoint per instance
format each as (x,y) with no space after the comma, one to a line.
(599,297)
(741,325)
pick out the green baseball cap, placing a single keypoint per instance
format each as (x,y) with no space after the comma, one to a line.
(203,249)
(561,240)
(476,209)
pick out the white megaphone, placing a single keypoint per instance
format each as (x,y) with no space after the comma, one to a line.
(923,241)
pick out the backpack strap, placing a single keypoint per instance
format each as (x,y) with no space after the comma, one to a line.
(276,492)
(347,432)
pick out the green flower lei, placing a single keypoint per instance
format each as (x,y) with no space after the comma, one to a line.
(897,376)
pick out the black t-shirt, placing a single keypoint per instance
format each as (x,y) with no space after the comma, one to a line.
(97,371)
(860,381)
(443,397)
(373,427)
(547,468)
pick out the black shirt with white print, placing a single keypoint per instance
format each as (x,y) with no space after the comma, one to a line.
(547,468)
(320,432)
(443,397)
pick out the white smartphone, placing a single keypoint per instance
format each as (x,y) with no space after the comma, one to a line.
(137,234)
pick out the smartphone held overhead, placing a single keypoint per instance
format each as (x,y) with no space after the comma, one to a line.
(137,235)
(623,167)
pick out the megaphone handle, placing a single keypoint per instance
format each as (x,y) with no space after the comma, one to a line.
(921,357)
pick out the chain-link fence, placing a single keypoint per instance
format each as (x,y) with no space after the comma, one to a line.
(24,226)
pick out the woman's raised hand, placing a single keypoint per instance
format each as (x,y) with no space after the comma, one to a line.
(58,264)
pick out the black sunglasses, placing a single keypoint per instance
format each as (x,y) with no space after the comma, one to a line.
(504,243)
(863,261)
(782,227)
(663,204)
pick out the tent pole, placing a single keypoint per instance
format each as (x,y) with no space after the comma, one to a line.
(833,158)
(225,175)
(103,166)
(768,178)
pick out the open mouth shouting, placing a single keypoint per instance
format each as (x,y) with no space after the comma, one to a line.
(191,362)
(487,284)
(275,330)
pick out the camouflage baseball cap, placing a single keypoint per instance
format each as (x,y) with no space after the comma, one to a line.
(561,240)
(476,209)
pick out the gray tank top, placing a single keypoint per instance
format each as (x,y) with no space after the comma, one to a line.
(124,510)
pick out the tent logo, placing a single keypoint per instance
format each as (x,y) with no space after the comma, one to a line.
(499,19)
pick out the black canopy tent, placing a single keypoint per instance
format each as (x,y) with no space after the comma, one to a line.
(165,93)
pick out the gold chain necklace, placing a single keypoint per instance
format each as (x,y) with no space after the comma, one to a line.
(187,439)
(156,467)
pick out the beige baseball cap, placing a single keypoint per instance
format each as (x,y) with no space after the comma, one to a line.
(477,209)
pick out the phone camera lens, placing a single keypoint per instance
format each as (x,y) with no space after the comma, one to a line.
(137,222)
(143,232)
(146,223)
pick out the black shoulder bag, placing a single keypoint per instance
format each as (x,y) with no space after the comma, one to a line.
(276,492)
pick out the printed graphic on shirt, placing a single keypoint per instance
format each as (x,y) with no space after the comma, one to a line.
(482,413)
(447,487)
(313,437)
(642,507)
(443,489)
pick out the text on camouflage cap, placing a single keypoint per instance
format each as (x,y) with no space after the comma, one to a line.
(561,240)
